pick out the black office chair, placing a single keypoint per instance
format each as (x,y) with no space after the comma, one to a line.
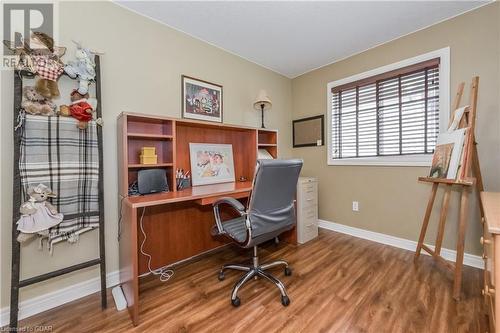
(270,212)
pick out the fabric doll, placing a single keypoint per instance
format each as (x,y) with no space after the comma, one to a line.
(37,214)
(83,68)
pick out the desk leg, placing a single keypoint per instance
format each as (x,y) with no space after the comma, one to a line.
(129,266)
(496,277)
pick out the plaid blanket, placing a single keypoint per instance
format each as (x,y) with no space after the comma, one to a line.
(56,153)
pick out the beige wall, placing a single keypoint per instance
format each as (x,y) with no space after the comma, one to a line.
(141,72)
(391,200)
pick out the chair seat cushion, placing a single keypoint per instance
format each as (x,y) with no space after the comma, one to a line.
(236,228)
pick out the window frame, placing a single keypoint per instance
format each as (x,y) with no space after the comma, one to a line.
(444,110)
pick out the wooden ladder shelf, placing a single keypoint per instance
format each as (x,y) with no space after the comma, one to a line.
(472,178)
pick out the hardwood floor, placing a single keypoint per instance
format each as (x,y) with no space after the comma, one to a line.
(339,284)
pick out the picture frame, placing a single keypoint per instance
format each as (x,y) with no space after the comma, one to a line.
(201,100)
(457,139)
(211,163)
(309,132)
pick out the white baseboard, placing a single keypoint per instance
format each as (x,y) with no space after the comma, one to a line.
(59,297)
(469,259)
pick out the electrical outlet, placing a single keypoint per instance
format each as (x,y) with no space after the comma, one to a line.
(355,206)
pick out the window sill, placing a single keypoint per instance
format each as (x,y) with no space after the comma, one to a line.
(409,161)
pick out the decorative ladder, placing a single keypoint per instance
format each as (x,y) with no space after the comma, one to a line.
(16,282)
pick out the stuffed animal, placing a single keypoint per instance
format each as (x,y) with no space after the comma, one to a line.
(82,108)
(37,214)
(83,68)
(34,103)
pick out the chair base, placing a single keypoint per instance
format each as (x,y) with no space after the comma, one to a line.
(255,271)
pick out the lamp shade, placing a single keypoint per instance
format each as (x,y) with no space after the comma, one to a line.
(262,99)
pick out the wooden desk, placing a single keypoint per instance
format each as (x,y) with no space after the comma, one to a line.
(130,238)
(198,193)
(491,255)
(177,224)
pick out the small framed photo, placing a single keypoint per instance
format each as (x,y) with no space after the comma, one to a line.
(308,132)
(201,100)
(211,163)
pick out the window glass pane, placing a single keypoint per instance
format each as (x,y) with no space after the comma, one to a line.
(367,121)
(388,113)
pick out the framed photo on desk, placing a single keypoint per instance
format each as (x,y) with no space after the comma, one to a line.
(211,163)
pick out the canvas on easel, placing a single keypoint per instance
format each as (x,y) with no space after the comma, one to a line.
(448,154)
(441,160)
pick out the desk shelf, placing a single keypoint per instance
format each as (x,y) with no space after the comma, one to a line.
(268,140)
(150,136)
(147,166)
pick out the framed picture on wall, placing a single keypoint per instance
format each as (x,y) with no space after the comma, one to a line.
(211,163)
(201,100)
(308,132)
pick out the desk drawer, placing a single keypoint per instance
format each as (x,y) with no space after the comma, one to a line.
(211,200)
(488,256)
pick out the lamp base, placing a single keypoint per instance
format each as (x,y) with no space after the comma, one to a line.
(262,114)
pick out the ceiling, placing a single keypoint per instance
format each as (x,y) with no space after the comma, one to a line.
(294,37)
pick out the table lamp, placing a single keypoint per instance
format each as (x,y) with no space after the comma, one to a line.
(262,103)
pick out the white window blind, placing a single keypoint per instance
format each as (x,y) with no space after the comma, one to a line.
(394,113)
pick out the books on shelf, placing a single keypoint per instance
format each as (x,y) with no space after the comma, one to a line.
(448,157)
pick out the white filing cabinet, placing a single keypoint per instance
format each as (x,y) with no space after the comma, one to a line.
(307,209)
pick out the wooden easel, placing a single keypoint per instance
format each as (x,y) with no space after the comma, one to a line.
(470,162)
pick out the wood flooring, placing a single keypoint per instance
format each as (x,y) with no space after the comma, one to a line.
(339,284)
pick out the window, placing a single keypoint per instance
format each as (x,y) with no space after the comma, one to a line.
(389,116)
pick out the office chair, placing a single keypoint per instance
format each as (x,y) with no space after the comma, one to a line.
(270,212)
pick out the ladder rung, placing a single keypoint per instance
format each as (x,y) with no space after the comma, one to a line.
(59,272)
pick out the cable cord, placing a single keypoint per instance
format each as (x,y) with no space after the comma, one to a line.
(163,272)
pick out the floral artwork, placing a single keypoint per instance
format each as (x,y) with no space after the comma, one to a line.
(211,163)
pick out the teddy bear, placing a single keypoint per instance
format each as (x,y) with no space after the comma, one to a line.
(82,108)
(83,68)
(34,103)
(37,214)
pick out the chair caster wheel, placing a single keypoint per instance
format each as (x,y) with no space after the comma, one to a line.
(236,302)
(221,276)
(285,300)
(288,271)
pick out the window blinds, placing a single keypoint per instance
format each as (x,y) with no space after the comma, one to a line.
(395,113)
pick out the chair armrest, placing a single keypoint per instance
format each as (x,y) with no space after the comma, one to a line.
(233,203)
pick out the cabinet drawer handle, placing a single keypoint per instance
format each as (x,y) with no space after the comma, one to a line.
(484,241)
(488,291)
(482,220)
(485,256)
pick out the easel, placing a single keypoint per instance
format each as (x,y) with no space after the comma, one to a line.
(470,162)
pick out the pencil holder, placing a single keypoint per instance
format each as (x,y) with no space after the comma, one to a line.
(183,183)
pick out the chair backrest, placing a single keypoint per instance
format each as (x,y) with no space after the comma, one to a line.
(273,195)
